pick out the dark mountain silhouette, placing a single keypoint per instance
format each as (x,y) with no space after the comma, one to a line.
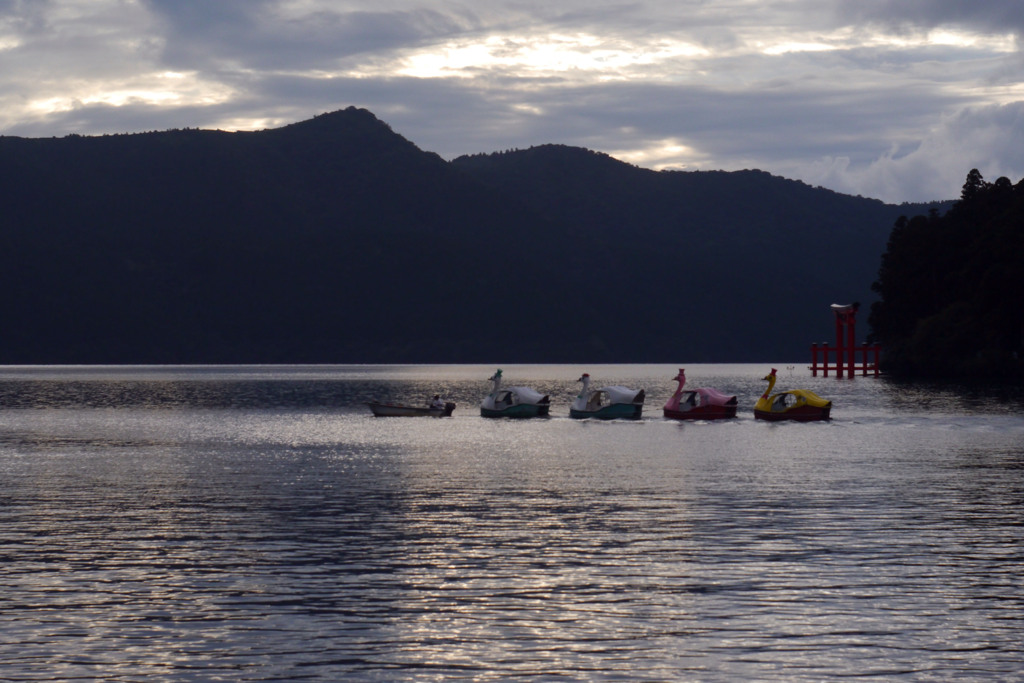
(725,266)
(337,240)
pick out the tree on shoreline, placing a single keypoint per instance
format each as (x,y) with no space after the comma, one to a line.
(951,288)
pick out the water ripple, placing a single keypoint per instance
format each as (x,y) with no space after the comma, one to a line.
(270,542)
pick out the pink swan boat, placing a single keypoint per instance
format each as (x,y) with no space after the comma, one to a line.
(699,404)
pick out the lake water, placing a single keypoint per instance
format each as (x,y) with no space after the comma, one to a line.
(256,523)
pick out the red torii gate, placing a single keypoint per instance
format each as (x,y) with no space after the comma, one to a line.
(845,353)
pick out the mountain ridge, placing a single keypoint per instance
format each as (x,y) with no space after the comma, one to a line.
(338,240)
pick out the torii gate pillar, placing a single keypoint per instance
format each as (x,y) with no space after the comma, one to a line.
(846,316)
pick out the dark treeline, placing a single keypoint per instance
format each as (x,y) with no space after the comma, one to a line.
(952,287)
(337,240)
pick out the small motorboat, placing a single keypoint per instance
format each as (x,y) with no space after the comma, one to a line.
(699,404)
(514,401)
(796,404)
(607,403)
(400,410)
(435,409)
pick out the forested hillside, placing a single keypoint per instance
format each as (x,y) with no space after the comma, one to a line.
(952,287)
(329,240)
(718,265)
(338,240)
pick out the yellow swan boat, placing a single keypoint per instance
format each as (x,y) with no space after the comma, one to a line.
(800,405)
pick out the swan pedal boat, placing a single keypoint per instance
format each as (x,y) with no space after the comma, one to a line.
(514,401)
(399,410)
(703,403)
(607,403)
(799,405)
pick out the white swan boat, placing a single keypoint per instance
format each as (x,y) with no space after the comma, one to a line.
(607,403)
(514,401)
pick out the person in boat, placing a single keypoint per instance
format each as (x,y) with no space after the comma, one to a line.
(783,402)
(437,403)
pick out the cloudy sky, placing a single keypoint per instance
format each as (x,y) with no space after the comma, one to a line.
(894,99)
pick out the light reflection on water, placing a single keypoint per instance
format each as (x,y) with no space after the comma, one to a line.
(258,523)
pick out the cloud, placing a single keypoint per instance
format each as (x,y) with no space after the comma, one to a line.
(980,15)
(990,139)
(265,34)
(863,97)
